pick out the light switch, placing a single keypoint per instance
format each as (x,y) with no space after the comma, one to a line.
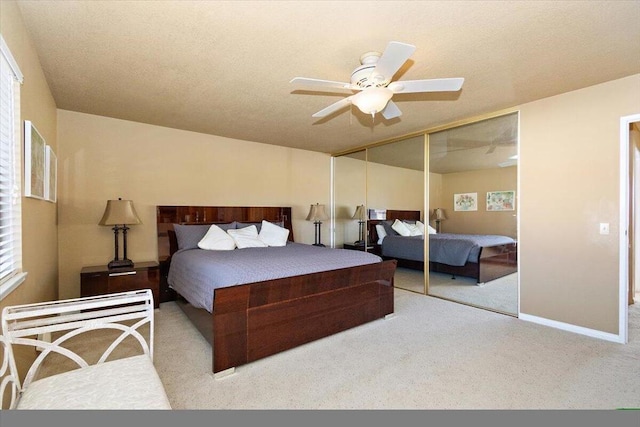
(604,228)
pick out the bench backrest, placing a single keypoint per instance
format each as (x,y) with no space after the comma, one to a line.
(51,326)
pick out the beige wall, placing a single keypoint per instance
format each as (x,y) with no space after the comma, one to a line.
(480,221)
(102,158)
(39,231)
(390,187)
(569,183)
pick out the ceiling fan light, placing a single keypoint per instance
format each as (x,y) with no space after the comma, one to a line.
(372,100)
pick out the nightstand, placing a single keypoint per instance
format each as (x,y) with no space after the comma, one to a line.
(356,247)
(374,249)
(98,280)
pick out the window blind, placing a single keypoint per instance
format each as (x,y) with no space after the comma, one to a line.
(11,274)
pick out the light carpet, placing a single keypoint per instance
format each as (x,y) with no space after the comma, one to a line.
(433,354)
(499,295)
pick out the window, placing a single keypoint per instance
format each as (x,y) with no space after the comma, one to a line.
(11,274)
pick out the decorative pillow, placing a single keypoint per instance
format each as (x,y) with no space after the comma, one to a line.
(387,227)
(420,226)
(272,234)
(247,237)
(188,236)
(217,239)
(248,224)
(229,226)
(381,233)
(432,230)
(413,229)
(401,228)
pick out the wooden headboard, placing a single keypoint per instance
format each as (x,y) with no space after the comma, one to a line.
(166,216)
(391,216)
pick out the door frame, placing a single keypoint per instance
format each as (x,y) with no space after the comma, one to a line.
(623,274)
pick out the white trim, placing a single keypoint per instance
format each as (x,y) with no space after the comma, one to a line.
(332,208)
(623,307)
(12,62)
(572,328)
(518,204)
(8,286)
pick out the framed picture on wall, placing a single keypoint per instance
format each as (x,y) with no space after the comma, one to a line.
(465,202)
(501,200)
(34,162)
(51,175)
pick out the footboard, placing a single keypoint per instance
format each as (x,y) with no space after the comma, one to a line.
(493,262)
(257,320)
(497,261)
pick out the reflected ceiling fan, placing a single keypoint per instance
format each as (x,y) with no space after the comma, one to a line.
(506,139)
(372,82)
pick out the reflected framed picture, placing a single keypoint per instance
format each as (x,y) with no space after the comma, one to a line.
(465,202)
(51,175)
(34,162)
(501,200)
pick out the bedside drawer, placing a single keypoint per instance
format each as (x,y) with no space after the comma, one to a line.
(101,280)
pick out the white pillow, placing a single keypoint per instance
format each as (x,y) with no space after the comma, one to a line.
(247,237)
(216,239)
(432,230)
(415,231)
(273,235)
(401,228)
(382,233)
(420,226)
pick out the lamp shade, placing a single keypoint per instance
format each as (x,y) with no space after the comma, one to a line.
(317,212)
(119,212)
(372,100)
(360,213)
(438,214)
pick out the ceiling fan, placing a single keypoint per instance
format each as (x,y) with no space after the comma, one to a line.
(373,86)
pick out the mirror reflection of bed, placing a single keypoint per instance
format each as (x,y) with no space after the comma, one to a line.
(479,270)
(478,159)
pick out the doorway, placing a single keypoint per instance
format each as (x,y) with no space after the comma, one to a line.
(629,204)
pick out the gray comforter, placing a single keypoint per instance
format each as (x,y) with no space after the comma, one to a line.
(445,248)
(195,273)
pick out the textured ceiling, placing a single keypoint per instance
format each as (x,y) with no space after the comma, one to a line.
(223,67)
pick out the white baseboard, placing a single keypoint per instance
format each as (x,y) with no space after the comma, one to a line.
(572,328)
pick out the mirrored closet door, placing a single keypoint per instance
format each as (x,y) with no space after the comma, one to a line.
(349,192)
(372,189)
(472,181)
(396,192)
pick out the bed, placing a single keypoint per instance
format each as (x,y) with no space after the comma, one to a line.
(481,257)
(253,320)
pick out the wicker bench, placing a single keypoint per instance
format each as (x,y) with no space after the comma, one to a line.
(83,326)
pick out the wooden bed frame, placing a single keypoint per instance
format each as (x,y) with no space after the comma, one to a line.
(494,261)
(256,320)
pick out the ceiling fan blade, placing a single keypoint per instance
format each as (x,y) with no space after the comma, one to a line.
(391,111)
(392,59)
(323,84)
(429,85)
(333,107)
